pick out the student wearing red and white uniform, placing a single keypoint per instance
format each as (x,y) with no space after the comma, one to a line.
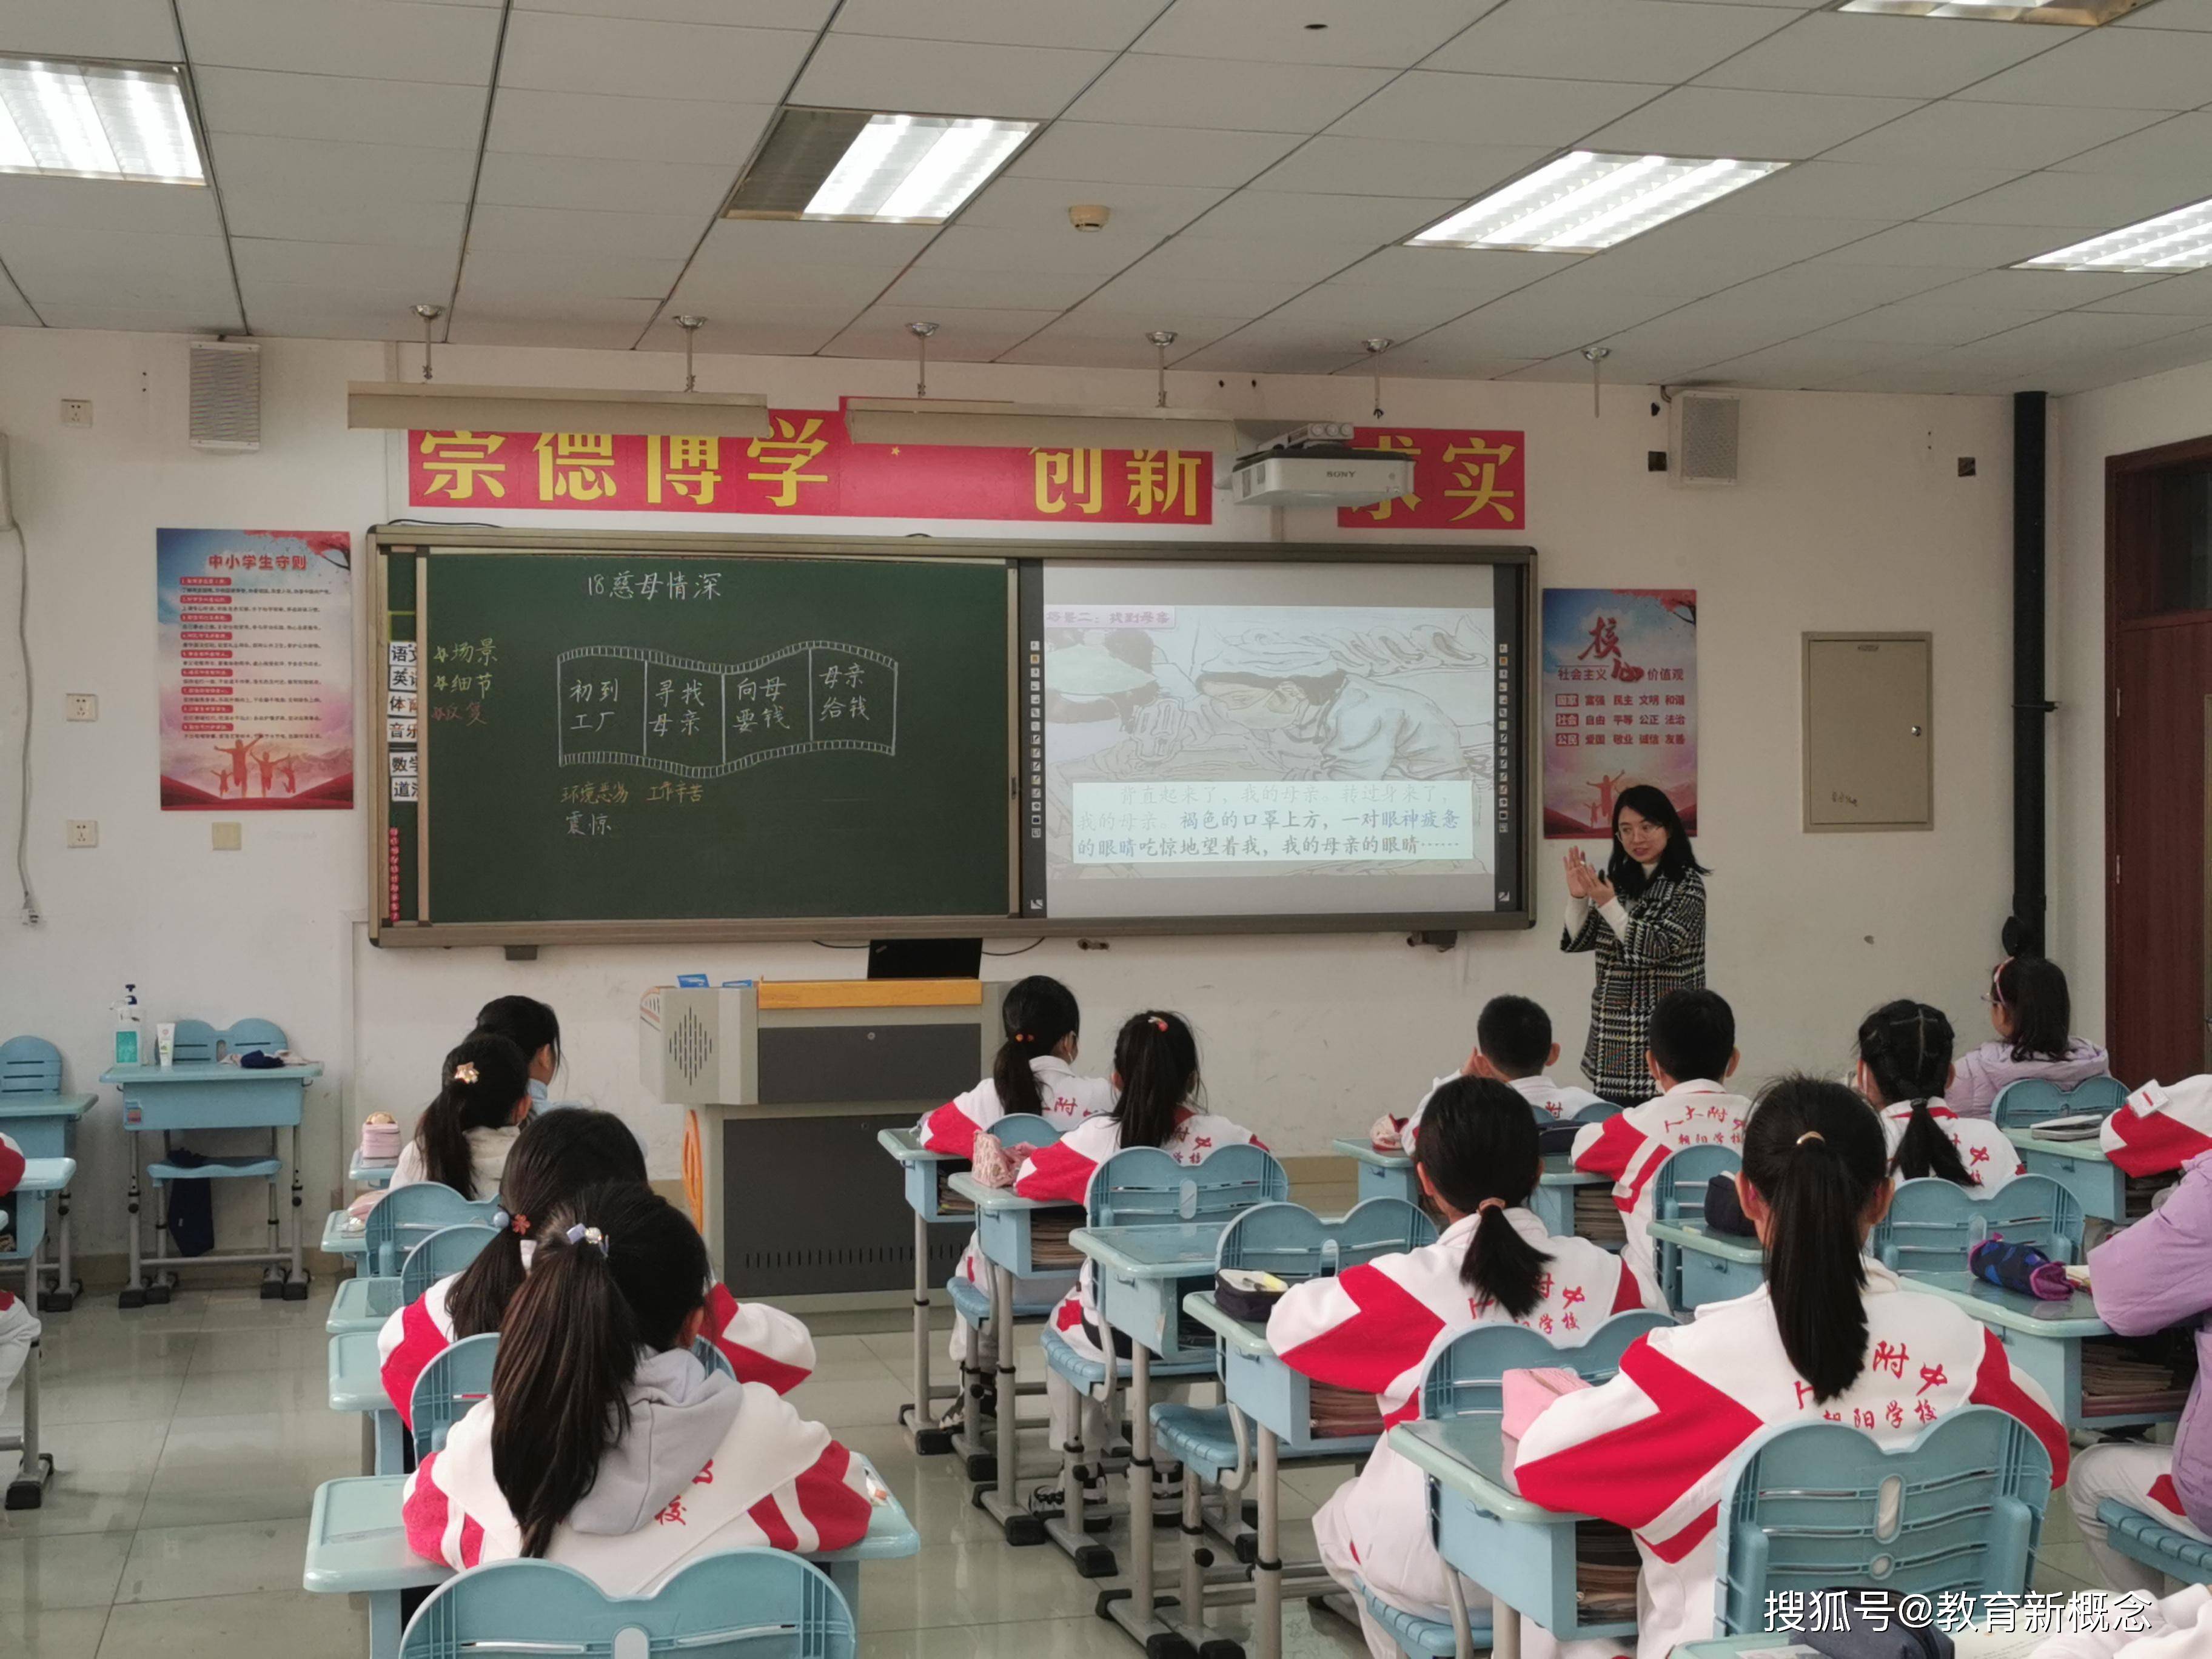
(1905,1066)
(1513,1044)
(1155,1071)
(464,1136)
(558,1155)
(1033,1072)
(1830,1335)
(1692,1052)
(605,1445)
(18,1326)
(2159,1128)
(1378,1326)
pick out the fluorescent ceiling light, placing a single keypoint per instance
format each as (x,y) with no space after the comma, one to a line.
(961,423)
(2084,13)
(86,120)
(406,406)
(2179,240)
(1587,200)
(874,168)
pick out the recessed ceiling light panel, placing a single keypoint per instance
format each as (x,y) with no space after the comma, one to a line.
(89,120)
(1588,200)
(2082,14)
(874,168)
(2179,240)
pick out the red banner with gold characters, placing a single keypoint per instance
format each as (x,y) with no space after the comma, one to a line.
(808,469)
(1463,479)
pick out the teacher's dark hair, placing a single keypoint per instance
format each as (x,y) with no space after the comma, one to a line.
(1814,1153)
(1651,804)
(1478,1142)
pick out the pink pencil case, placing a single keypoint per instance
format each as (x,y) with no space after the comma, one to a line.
(1527,1393)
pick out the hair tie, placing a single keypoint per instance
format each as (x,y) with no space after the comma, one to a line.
(520,1223)
(1490,1204)
(580,1233)
(1024,1036)
(1812,1134)
(1158,1021)
(465,1072)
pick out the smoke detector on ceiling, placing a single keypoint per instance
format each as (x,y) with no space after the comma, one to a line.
(1089,216)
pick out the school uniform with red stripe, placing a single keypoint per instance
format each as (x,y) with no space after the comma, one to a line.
(2160,1127)
(1651,1449)
(1376,1327)
(1628,1148)
(706,1465)
(1990,1159)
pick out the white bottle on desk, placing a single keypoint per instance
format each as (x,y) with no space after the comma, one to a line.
(130,1029)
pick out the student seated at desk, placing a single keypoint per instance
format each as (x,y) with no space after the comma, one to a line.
(1830,1335)
(1513,1044)
(2147,1277)
(1034,1070)
(1375,1327)
(1155,1071)
(556,1157)
(1692,1052)
(2029,1010)
(18,1326)
(1904,1070)
(605,1445)
(464,1136)
(534,1027)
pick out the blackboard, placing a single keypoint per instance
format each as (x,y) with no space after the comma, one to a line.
(655,737)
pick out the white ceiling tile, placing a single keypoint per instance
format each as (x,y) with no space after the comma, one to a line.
(121,267)
(1825,280)
(1968,246)
(964,247)
(789,331)
(1278,215)
(1255,260)
(1097,152)
(347,217)
(1717,252)
(1928,319)
(1443,366)
(1482,272)
(2086,201)
(1142,214)
(1361,312)
(1338,165)
(1394,36)
(422,271)
(2097,330)
(500,325)
(2169,15)
(738,245)
(388,40)
(990,290)
(1890,57)
(944,77)
(584,279)
(962,336)
(1629,366)
(2186,295)
(744,14)
(184,317)
(280,103)
(1102,25)
(2177,147)
(695,189)
(1955,134)
(1268,346)
(306,167)
(1810,363)
(1608,40)
(2112,69)
(143,29)
(726,295)
(556,234)
(28,201)
(1536,323)
(1428,107)
(1141,89)
(1697,337)
(1775,126)
(530,123)
(2037,290)
(1140,297)
(552,52)
(1075,342)
(392,307)
(294,319)
(1815,190)
(15,310)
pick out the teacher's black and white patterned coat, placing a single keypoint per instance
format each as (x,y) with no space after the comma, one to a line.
(1663,950)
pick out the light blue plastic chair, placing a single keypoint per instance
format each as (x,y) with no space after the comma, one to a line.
(1932,1224)
(739,1604)
(29,1066)
(199,1044)
(448,1251)
(1678,1189)
(972,1301)
(1293,1243)
(1143,1186)
(2033,1100)
(2142,1537)
(1818,1506)
(450,1386)
(405,1217)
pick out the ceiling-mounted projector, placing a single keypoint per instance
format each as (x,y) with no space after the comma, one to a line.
(1317,465)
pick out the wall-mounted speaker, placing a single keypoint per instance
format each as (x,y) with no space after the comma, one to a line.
(1706,426)
(226,411)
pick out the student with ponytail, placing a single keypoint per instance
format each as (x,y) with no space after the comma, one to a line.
(1156,1074)
(605,1445)
(1378,1326)
(556,1157)
(1830,1335)
(464,1136)
(1904,1067)
(1033,1072)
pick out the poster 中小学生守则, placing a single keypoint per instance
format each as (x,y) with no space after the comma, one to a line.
(257,669)
(1618,704)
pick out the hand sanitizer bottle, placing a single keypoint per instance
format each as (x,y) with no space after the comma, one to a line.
(130,1028)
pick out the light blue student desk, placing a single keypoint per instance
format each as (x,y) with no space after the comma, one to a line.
(357,1545)
(2098,1185)
(205,1093)
(921,1176)
(1382,1175)
(370,1171)
(2043,1338)
(1519,1553)
(340,1240)
(356,1384)
(42,1122)
(1715,1267)
(24,1210)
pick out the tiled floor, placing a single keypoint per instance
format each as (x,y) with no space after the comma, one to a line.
(191,1439)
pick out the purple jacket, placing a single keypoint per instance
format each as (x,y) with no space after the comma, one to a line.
(2158,1273)
(1984,1071)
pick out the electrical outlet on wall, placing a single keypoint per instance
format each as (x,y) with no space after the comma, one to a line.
(77,411)
(81,706)
(83,832)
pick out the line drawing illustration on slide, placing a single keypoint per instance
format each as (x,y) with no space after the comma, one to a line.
(624,705)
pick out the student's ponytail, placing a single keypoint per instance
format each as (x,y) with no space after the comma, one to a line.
(1907,1048)
(1039,1014)
(556,1156)
(481,1082)
(621,1271)
(1813,1152)
(1925,1150)
(1156,1057)
(1478,1146)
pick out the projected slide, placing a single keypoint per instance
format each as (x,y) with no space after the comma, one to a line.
(1271,740)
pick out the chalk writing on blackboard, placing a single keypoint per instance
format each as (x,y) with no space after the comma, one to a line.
(621,705)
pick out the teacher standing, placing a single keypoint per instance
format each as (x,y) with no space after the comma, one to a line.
(1645,918)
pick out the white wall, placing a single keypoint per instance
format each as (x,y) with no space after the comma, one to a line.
(1851,515)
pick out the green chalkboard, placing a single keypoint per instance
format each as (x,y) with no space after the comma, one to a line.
(644,736)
